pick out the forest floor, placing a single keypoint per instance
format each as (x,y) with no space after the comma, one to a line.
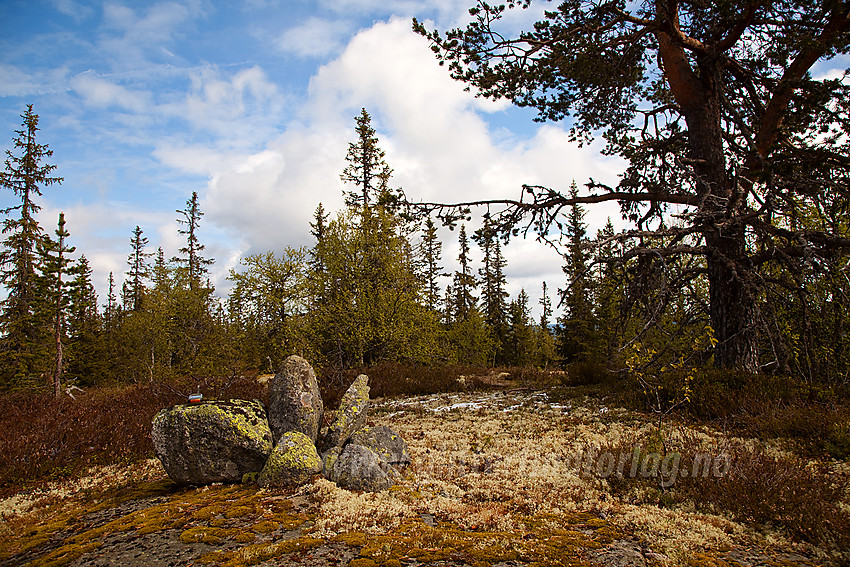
(499,477)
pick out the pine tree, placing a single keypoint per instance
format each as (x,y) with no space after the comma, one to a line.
(195,264)
(134,288)
(25,175)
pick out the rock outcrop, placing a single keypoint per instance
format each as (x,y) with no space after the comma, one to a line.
(293,461)
(295,403)
(351,415)
(212,441)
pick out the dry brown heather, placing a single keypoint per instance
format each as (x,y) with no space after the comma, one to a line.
(493,481)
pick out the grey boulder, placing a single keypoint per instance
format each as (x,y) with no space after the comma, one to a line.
(217,441)
(385,442)
(360,468)
(295,403)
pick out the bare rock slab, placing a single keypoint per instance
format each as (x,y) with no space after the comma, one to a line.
(293,461)
(385,442)
(295,403)
(351,415)
(217,441)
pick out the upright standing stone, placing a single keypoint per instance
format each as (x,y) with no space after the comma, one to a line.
(295,403)
(351,415)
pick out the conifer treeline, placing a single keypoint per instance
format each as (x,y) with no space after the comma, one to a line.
(370,288)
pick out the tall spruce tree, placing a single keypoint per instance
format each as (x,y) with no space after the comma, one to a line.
(431,256)
(87,357)
(22,347)
(464,282)
(576,332)
(493,283)
(545,340)
(366,168)
(134,288)
(194,265)
(370,309)
(53,267)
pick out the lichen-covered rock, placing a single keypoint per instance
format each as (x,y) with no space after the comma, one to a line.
(360,468)
(329,458)
(295,403)
(210,442)
(351,415)
(385,442)
(293,461)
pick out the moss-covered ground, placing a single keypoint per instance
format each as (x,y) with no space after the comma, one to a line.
(494,482)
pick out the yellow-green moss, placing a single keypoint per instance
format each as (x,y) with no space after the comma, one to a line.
(352,539)
(265,527)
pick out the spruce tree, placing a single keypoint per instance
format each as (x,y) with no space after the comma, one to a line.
(545,339)
(134,288)
(576,331)
(464,283)
(366,168)
(87,358)
(53,264)
(519,345)
(194,264)
(431,255)
(21,347)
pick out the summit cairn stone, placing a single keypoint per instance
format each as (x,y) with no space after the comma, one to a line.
(239,441)
(293,461)
(385,442)
(295,403)
(351,415)
(360,468)
(212,441)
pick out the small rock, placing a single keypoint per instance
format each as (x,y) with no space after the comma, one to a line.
(210,442)
(351,415)
(292,462)
(619,554)
(384,441)
(295,403)
(360,468)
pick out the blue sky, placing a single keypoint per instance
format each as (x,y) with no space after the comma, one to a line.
(252,105)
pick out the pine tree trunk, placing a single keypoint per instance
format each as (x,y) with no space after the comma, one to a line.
(733,308)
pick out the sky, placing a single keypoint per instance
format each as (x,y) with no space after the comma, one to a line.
(252,105)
